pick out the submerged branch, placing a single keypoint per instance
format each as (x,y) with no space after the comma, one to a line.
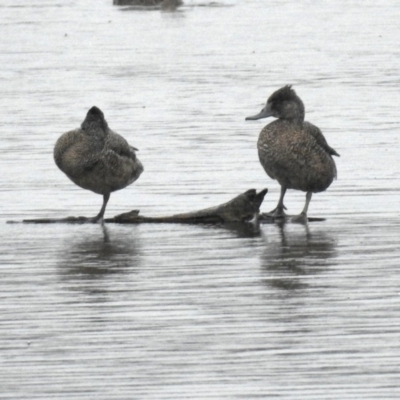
(242,208)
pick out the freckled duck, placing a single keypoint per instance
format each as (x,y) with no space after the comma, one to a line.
(137,2)
(171,5)
(165,4)
(293,151)
(96,158)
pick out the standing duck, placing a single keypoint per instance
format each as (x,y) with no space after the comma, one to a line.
(293,151)
(96,158)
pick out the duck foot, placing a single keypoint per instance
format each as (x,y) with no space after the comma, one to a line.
(276,213)
(271,217)
(98,219)
(302,219)
(299,219)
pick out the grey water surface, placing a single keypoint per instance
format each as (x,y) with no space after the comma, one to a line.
(191,312)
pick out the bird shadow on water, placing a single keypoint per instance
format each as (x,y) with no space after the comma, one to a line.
(294,253)
(89,263)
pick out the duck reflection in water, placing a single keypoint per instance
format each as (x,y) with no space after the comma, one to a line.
(86,264)
(295,252)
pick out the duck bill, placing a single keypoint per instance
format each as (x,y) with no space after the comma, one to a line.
(264,113)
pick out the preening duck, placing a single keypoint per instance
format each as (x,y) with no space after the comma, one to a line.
(96,158)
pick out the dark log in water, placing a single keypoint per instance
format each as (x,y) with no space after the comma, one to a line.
(242,208)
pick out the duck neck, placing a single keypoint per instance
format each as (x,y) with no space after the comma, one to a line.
(295,112)
(298,121)
(95,128)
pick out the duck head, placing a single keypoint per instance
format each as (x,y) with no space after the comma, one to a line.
(94,120)
(283,104)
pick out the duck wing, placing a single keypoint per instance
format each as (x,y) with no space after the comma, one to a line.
(320,138)
(75,153)
(117,144)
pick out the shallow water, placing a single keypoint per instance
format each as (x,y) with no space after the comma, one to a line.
(176,311)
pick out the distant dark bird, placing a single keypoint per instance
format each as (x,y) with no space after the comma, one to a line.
(165,4)
(171,5)
(293,151)
(96,158)
(146,3)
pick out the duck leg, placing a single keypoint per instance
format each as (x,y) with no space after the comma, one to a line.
(308,199)
(302,217)
(278,211)
(99,216)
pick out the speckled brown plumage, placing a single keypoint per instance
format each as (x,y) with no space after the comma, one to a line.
(96,158)
(292,151)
